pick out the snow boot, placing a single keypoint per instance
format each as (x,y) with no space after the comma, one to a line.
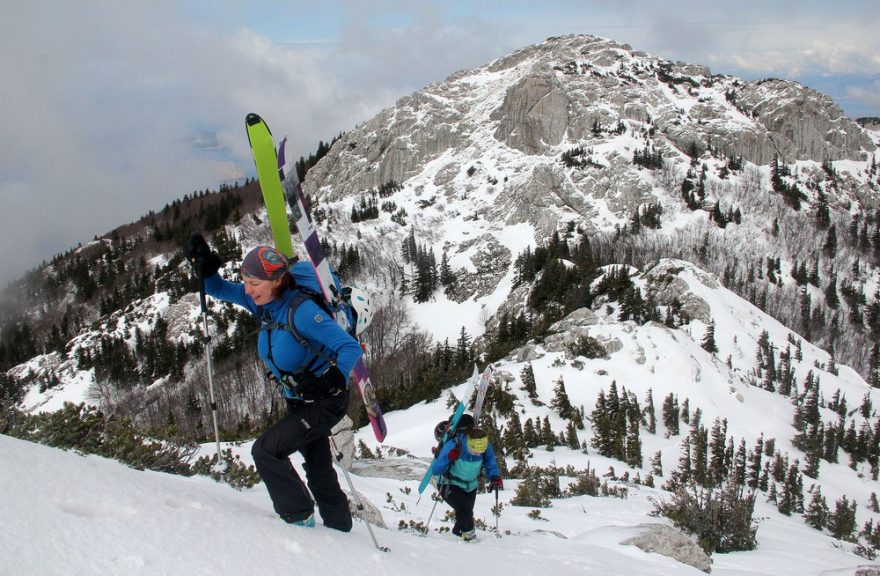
(307,522)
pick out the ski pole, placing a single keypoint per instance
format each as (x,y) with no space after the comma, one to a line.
(497,514)
(207,341)
(431,515)
(357,499)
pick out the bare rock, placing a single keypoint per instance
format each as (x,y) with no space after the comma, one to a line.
(665,540)
(527,353)
(343,436)
(368,511)
(666,284)
(802,123)
(534,114)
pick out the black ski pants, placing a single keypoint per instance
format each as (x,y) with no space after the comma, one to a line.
(305,429)
(462,502)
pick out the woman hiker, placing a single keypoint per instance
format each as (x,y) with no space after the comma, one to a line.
(314,377)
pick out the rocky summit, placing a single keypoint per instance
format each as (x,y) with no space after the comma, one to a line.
(585,134)
(510,121)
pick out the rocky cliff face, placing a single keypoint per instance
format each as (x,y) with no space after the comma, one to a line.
(801,123)
(581,91)
(546,140)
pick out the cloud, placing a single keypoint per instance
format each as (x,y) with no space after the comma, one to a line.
(99,125)
(112,102)
(93,136)
(868,96)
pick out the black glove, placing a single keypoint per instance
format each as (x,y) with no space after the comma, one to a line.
(334,380)
(311,387)
(204,261)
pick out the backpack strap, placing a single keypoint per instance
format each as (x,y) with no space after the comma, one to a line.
(290,326)
(319,351)
(448,475)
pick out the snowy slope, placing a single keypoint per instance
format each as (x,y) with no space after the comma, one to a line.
(102,518)
(66,514)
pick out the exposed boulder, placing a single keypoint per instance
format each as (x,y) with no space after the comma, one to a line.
(527,353)
(665,540)
(343,436)
(579,318)
(368,511)
(667,286)
(564,335)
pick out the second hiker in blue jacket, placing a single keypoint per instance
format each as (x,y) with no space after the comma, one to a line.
(314,375)
(459,463)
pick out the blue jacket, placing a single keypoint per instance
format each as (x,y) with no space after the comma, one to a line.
(465,470)
(277,347)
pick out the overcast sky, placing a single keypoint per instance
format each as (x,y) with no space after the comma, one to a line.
(110,109)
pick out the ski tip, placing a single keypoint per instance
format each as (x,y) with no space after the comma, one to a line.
(379,429)
(253,119)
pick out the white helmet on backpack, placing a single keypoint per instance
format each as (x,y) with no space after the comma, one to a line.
(363,308)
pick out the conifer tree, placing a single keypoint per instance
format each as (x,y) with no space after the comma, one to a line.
(633,445)
(548,438)
(530,435)
(754,464)
(708,341)
(790,495)
(463,351)
(571,437)
(602,439)
(514,437)
(560,401)
(764,479)
(831,297)
(842,521)
(671,415)
(813,450)
(649,414)
(528,379)
(772,496)
(657,464)
(866,408)
(830,444)
(700,443)
(447,276)
(807,413)
(875,366)
(685,471)
(816,514)
(740,464)
(717,470)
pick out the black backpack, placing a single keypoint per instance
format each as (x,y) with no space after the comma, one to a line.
(442,431)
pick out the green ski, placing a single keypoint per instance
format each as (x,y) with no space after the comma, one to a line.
(266,160)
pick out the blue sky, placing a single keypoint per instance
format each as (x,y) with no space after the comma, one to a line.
(110,100)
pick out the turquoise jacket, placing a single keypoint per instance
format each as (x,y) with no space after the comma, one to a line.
(278,348)
(464,470)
